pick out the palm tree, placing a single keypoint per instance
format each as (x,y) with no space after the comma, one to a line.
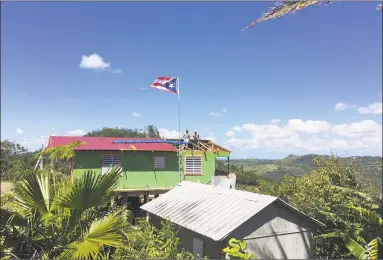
(287,7)
(61,220)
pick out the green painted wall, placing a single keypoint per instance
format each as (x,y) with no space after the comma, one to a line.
(138,168)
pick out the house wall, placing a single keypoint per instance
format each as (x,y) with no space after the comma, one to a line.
(277,233)
(208,166)
(212,249)
(138,168)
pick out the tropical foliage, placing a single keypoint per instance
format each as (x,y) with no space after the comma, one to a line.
(14,160)
(237,249)
(146,242)
(283,8)
(148,131)
(62,219)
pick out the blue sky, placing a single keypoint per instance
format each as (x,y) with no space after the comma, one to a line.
(295,70)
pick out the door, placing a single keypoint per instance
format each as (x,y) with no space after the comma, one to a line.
(197,247)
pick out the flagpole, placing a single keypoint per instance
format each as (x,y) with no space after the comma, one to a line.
(179,127)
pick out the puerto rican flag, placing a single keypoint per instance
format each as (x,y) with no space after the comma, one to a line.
(168,84)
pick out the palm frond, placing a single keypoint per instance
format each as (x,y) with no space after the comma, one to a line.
(367,214)
(374,248)
(33,193)
(106,231)
(283,8)
(90,190)
(361,195)
(357,250)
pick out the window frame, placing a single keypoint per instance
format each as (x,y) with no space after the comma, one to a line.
(102,155)
(154,162)
(193,173)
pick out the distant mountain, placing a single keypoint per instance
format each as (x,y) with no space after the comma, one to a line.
(370,166)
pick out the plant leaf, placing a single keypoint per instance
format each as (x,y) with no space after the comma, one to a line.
(283,8)
(106,231)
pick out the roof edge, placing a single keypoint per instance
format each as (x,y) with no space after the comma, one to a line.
(300,212)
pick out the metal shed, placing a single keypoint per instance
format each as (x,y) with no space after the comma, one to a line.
(208,216)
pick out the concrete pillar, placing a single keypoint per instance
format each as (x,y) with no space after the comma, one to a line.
(146,200)
(124,200)
(42,162)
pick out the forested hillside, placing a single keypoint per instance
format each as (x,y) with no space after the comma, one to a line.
(370,167)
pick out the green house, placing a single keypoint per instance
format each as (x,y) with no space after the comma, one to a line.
(149,166)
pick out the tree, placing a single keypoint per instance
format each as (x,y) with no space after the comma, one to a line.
(149,131)
(14,160)
(288,7)
(326,194)
(63,218)
(147,242)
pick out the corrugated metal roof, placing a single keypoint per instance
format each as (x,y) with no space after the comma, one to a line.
(106,143)
(208,210)
(211,211)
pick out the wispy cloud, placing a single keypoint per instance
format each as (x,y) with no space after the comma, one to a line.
(214,114)
(340,106)
(274,121)
(136,114)
(117,71)
(77,132)
(19,131)
(375,109)
(222,111)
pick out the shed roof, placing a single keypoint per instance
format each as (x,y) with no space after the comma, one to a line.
(106,143)
(209,210)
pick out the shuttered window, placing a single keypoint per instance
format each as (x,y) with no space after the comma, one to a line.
(108,162)
(193,165)
(159,162)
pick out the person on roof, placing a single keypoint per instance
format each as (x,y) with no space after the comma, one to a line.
(186,136)
(196,138)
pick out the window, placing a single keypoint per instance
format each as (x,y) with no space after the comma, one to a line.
(159,162)
(198,248)
(193,165)
(108,162)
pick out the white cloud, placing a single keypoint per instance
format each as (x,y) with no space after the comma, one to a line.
(211,138)
(169,134)
(365,128)
(342,106)
(375,108)
(311,135)
(236,128)
(274,121)
(308,126)
(32,143)
(230,133)
(136,114)
(19,131)
(77,132)
(93,61)
(223,110)
(214,114)
(117,71)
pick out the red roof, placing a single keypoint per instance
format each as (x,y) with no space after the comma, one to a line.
(106,144)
